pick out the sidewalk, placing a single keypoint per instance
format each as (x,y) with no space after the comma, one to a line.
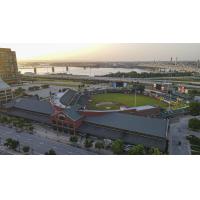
(178,132)
(5,151)
(49,133)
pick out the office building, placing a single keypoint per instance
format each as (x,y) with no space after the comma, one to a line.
(8,66)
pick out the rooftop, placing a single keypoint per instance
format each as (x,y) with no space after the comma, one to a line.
(139,108)
(67,97)
(145,125)
(31,104)
(72,113)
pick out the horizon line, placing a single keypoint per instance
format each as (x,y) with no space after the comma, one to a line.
(111,61)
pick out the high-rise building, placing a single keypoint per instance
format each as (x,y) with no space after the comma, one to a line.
(198,63)
(6,93)
(176,61)
(8,66)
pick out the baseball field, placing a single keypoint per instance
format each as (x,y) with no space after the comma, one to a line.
(111,101)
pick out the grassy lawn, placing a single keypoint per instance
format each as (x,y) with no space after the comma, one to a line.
(55,81)
(119,99)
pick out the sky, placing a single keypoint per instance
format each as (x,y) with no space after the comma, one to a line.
(105,52)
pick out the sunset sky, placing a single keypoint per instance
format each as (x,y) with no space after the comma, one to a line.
(105,52)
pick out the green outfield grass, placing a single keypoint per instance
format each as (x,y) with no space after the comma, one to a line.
(119,99)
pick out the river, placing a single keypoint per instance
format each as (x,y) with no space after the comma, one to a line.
(81,70)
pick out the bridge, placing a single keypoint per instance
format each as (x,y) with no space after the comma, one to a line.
(43,66)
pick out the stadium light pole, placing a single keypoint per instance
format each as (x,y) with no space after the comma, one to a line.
(170,100)
(135,97)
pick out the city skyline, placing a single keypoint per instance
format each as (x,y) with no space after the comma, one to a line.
(106,52)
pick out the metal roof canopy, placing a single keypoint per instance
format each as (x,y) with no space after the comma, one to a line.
(3,85)
(144,125)
(34,105)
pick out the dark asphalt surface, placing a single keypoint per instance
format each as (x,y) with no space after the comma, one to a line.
(178,133)
(39,144)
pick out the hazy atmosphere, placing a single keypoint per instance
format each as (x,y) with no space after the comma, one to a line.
(105,52)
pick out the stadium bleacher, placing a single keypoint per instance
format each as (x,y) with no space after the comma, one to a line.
(67,97)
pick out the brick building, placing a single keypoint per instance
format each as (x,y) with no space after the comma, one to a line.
(67,114)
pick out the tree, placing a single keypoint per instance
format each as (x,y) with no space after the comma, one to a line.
(19,91)
(194,92)
(74,139)
(26,149)
(137,150)
(154,151)
(50,152)
(31,128)
(194,124)
(99,145)
(12,144)
(194,108)
(140,88)
(4,119)
(20,125)
(118,147)
(88,143)
(8,142)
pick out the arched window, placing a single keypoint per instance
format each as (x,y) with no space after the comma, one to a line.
(61,117)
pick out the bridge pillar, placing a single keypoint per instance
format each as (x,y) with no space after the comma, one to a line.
(35,70)
(67,68)
(53,69)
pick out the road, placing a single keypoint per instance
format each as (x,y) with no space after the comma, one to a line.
(178,132)
(39,144)
(114,79)
(106,79)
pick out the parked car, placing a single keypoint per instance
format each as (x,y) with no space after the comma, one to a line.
(127,147)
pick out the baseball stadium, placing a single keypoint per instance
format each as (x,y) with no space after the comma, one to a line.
(105,114)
